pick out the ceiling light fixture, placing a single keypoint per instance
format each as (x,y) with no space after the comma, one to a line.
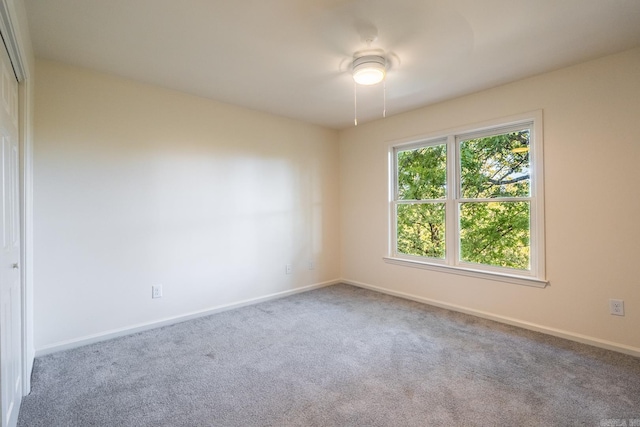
(369,69)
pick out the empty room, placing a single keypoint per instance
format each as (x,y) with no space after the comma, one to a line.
(320,213)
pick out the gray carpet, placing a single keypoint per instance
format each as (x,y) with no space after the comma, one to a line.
(337,356)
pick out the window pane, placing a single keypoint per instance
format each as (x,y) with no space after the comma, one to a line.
(421,229)
(495,166)
(422,173)
(495,233)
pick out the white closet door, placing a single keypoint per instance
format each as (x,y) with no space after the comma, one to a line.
(10,289)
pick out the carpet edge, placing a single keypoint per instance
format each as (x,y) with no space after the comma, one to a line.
(128,330)
(571,336)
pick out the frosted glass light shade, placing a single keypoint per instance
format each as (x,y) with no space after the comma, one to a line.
(369,70)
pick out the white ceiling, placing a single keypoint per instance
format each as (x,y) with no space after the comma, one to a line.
(291,57)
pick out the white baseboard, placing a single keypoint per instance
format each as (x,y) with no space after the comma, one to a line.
(115,333)
(584,339)
(90,339)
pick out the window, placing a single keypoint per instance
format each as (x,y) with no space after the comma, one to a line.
(470,201)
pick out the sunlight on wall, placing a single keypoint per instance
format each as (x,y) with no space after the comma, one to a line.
(140,186)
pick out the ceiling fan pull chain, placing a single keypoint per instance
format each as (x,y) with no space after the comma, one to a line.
(355,103)
(384,99)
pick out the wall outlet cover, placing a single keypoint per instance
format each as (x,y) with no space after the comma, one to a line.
(156,291)
(616,307)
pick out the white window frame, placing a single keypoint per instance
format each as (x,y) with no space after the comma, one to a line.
(535,276)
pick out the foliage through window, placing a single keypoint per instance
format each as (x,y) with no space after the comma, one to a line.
(471,200)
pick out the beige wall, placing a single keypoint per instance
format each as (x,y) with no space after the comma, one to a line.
(592,158)
(136,185)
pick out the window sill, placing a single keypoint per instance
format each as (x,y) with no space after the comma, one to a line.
(489,275)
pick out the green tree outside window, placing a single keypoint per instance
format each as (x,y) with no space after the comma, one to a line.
(492,200)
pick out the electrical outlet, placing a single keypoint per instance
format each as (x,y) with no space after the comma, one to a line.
(616,307)
(287,269)
(312,265)
(156,291)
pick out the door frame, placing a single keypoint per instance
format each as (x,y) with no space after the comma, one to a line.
(14,39)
